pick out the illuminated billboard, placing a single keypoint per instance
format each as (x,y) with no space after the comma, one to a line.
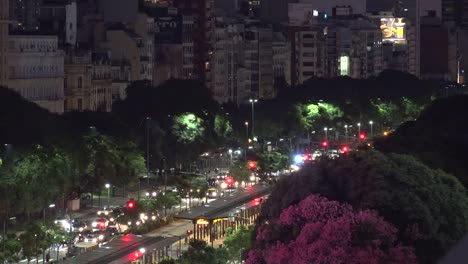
(393,29)
(344,66)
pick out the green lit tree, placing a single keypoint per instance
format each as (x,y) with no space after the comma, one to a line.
(188,128)
(222,126)
(316,115)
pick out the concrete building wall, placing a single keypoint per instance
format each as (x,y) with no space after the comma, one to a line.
(71,24)
(77,84)
(38,70)
(123,47)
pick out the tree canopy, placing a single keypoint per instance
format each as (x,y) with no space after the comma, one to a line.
(326,231)
(439,137)
(401,189)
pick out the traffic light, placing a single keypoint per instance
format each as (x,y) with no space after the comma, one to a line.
(325,144)
(229,180)
(131,205)
(362,136)
(252,165)
(345,149)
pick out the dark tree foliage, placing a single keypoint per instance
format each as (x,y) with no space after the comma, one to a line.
(174,97)
(24,123)
(439,137)
(401,189)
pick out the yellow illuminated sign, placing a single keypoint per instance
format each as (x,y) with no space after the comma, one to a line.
(202,221)
(393,29)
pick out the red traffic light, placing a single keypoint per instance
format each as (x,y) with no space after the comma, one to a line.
(130,205)
(325,144)
(345,149)
(229,180)
(306,157)
(252,165)
(362,136)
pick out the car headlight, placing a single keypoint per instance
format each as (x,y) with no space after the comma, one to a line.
(214,194)
(106,213)
(99,212)
(86,240)
(112,219)
(94,224)
(80,229)
(101,237)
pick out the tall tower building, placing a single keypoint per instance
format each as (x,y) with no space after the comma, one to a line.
(455,11)
(3,42)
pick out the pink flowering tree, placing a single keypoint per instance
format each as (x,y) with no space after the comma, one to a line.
(323,231)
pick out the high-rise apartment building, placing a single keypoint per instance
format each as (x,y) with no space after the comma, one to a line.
(455,11)
(4,18)
(202,13)
(24,14)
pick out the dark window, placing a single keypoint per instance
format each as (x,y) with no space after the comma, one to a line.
(80,104)
(80,82)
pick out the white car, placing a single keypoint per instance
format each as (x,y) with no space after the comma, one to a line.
(316,154)
(104,212)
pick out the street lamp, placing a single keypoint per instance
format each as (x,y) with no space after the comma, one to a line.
(325,129)
(108,194)
(346,131)
(147,149)
(230,154)
(253,101)
(371,128)
(247,135)
(44,212)
(359,128)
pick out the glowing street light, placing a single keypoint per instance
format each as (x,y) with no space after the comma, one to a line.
(253,101)
(108,193)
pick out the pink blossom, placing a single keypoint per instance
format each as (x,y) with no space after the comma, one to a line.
(330,232)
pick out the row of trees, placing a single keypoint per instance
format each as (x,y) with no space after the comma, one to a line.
(36,241)
(31,178)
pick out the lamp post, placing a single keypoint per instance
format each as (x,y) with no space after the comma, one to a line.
(346,131)
(108,194)
(253,101)
(44,212)
(147,149)
(359,128)
(371,123)
(247,139)
(230,156)
(325,129)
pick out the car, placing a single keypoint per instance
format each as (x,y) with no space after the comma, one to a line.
(95,237)
(79,226)
(104,211)
(212,193)
(63,222)
(316,154)
(100,224)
